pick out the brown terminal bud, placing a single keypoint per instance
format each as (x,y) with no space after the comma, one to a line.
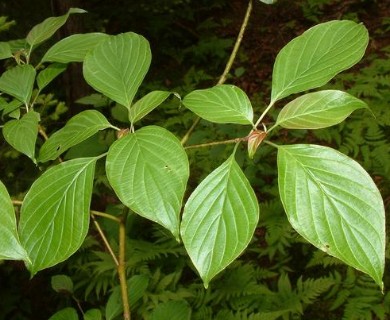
(255,138)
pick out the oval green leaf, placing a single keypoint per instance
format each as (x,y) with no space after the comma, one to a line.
(334,204)
(65,314)
(62,284)
(54,217)
(219,219)
(221,104)
(10,247)
(79,128)
(117,66)
(18,82)
(22,134)
(93,314)
(147,103)
(148,171)
(318,110)
(268,1)
(49,74)
(48,27)
(316,56)
(5,50)
(74,48)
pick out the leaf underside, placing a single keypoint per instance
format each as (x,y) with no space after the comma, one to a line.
(219,219)
(148,171)
(334,204)
(315,57)
(54,217)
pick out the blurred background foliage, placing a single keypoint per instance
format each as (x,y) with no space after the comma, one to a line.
(280,276)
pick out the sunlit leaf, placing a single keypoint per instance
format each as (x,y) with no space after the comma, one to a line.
(315,57)
(219,219)
(221,104)
(74,48)
(48,27)
(5,50)
(54,217)
(268,1)
(10,107)
(10,247)
(22,134)
(148,171)
(48,74)
(318,110)
(117,66)
(334,204)
(146,104)
(18,82)
(79,128)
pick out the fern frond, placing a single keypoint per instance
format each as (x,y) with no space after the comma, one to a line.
(310,289)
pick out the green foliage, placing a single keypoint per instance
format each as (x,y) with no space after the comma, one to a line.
(329,199)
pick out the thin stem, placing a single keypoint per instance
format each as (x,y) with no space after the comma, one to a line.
(42,132)
(228,66)
(264,113)
(215,143)
(122,266)
(105,215)
(189,132)
(105,241)
(17,202)
(233,55)
(271,144)
(78,304)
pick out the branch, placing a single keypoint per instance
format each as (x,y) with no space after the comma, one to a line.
(215,143)
(104,238)
(122,266)
(229,64)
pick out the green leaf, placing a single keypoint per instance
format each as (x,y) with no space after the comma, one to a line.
(148,171)
(172,310)
(93,314)
(114,305)
(74,48)
(65,314)
(219,219)
(49,74)
(221,104)
(54,217)
(10,247)
(318,110)
(18,82)
(136,287)
(79,128)
(44,30)
(316,56)
(10,107)
(5,50)
(62,284)
(146,104)
(334,204)
(22,134)
(117,66)
(268,1)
